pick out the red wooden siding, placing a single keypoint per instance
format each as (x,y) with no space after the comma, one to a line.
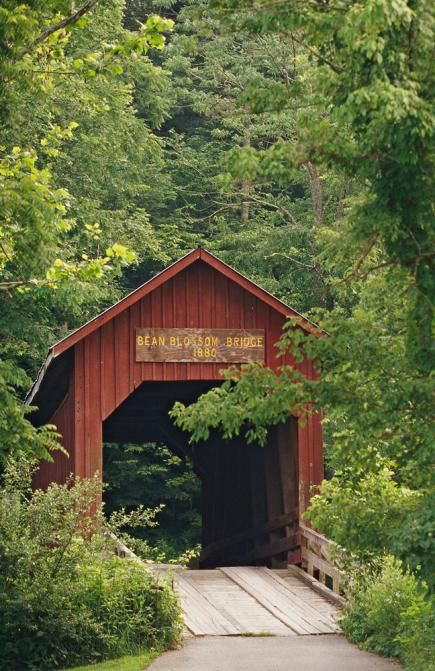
(105,372)
(59,469)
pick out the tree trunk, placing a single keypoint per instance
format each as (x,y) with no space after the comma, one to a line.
(316,193)
(245,188)
(344,192)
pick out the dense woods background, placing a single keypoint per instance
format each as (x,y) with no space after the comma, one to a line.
(295,140)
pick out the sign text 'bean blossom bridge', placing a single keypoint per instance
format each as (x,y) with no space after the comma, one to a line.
(115,379)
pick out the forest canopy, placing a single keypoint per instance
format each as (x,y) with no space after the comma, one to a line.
(295,140)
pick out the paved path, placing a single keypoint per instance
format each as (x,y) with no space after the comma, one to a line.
(276,653)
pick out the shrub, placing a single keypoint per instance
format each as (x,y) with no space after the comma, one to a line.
(417,636)
(138,611)
(373,515)
(65,599)
(387,614)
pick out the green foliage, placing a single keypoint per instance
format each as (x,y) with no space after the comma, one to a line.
(297,144)
(368,516)
(417,636)
(33,220)
(371,77)
(73,199)
(65,598)
(152,475)
(385,610)
(28,198)
(262,225)
(251,399)
(29,188)
(18,437)
(373,617)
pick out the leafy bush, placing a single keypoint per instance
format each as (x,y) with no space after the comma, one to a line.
(372,515)
(65,599)
(417,636)
(388,614)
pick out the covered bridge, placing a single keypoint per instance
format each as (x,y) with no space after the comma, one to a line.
(115,378)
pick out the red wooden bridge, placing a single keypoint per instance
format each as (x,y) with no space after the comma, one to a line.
(115,378)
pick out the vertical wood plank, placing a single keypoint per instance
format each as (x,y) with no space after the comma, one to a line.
(146,320)
(287,451)
(249,310)
(180,317)
(168,322)
(318,474)
(122,357)
(206,312)
(79,410)
(87,372)
(135,367)
(193,299)
(235,308)
(108,369)
(222,482)
(275,324)
(62,465)
(157,321)
(220,311)
(261,322)
(257,491)
(93,413)
(304,467)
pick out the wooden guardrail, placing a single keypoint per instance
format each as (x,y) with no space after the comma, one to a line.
(158,570)
(316,551)
(235,546)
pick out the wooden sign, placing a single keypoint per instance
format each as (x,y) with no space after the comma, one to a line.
(200,345)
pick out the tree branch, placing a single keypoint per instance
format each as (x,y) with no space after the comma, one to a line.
(5,286)
(290,258)
(67,21)
(370,244)
(277,206)
(315,53)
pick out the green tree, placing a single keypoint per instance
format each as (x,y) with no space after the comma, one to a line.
(51,253)
(372,79)
(264,224)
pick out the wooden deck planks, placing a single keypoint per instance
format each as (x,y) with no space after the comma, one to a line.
(236,605)
(293,615)
(253,600)
(200,616)
(316,611)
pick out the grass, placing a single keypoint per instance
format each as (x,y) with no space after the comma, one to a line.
(129,663)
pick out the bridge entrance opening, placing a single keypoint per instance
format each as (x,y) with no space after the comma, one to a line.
(248,493)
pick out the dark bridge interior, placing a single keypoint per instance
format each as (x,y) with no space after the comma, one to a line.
(249,493)
(144,414)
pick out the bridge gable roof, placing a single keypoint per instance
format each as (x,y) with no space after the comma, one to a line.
(62,347)
(198,254)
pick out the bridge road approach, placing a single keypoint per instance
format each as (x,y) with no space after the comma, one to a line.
(249,618)
(331,652)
